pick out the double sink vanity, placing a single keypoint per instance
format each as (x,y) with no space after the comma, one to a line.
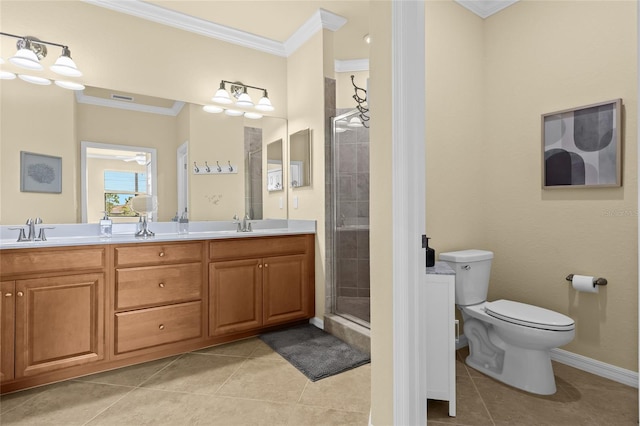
(77,303)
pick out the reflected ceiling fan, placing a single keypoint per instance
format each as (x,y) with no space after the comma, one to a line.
(139,158)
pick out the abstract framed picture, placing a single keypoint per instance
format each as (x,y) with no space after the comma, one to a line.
(581,147)
(40,173)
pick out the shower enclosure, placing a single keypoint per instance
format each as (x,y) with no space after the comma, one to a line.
(253,172)
(350,225)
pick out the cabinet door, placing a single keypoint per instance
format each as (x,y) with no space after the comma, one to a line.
(7,324)
(285,289)
(235,296)
(59,323)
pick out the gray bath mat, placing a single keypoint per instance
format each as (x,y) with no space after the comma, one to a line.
(314,352)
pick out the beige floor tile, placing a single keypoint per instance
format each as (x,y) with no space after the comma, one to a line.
(241,348)
(262,350)
(348,391)
(611,407)
(510,406)
(470,409)
(158,408)
(12,400)
(129,376)
(315,416)
(265,379)
(195,373)
(69,403)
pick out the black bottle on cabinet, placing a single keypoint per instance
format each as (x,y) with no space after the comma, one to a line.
(431,253)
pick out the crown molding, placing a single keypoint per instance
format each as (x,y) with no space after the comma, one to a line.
(485,8)
(194,25)
(81,98)
(351,65)
(321,19)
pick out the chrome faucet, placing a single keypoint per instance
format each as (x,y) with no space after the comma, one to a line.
(31,223)
(245,225)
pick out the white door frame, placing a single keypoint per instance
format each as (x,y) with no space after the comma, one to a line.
(182,171)
(408,211)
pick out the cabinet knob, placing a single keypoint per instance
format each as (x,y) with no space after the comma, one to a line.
(260,266)
(8,294)
(161,326)
(161,254)
(20,294)
(161,285)
(266,265)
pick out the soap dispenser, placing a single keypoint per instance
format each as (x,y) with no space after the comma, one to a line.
(183,223)
(106,226)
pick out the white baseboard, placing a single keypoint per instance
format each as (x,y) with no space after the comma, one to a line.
(599,368)
(590,365)
(318,322)
(462,342)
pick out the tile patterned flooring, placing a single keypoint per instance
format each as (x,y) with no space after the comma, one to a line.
(238,383)
(246,382)
(582,399)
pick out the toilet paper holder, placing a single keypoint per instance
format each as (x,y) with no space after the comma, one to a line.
(596,281)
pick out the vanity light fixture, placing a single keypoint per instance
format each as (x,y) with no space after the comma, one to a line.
(239,91)
(31,51)
(6,75)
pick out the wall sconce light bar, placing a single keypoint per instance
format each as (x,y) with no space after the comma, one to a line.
(32,50)
(242,99)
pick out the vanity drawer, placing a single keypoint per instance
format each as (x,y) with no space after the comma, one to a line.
(34,261)
(157,326)
(157,285)
(257,247)
(155,254)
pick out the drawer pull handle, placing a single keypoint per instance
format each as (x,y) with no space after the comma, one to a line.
(161,285)
(20,294)
(8,294)
(161,326)
(161,254)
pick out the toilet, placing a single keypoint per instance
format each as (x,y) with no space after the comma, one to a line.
(509,341)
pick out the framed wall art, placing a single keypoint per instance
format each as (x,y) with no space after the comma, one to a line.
(581,147)
(40,173)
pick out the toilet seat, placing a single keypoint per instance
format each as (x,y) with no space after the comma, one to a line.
(528,315)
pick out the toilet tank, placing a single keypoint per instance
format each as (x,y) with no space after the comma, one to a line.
(473,268)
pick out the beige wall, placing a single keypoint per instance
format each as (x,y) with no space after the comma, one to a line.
(381,217)
(498,76)
(306,81)
(542,57)
(132,128)
(40,120)
(216,137)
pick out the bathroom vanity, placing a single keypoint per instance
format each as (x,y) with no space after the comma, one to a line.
(76,309)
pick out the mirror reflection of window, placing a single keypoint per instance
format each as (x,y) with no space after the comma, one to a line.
(119,189)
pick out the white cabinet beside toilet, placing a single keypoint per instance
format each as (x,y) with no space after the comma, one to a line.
(441,334)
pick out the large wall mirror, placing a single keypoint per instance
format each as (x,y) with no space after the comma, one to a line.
(123,131)
(300,159)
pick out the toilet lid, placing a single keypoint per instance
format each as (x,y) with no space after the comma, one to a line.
(528,315)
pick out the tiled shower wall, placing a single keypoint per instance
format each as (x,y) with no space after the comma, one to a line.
(253,172)
(352,237)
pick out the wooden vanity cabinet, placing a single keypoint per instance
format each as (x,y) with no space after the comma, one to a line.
(259,282)
(52,309)
(7,322)
(157,296)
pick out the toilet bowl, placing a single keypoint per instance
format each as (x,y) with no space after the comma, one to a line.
(509,341)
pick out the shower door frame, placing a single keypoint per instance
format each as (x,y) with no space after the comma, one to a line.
(334,226)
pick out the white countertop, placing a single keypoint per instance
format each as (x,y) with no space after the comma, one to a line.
(88,234)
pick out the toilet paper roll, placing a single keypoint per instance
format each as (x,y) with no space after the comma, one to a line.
(584,283)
